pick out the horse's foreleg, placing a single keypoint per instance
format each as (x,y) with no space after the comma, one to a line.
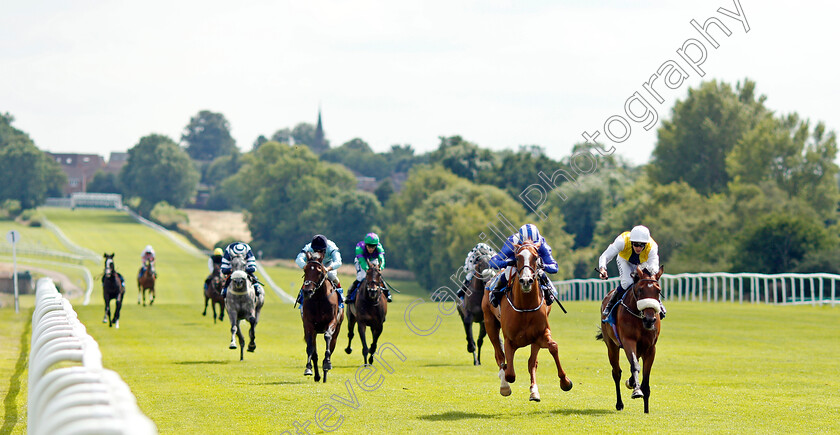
(363,339)
(117,308)
(351,322)
(467,319)
(310,350)
(481,333)
(532,369)
(152,295)
(205,309)
(565,382)
(107,318)
(633,381)
(613,353)
(647,363)
(492,326)
(241,338)
(328,346)
(252,334)
(139,292)
(234,326)
(221,310)
(510,351)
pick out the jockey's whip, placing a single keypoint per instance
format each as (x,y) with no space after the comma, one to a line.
(389,284)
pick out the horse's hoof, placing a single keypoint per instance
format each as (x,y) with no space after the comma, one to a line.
(117,325)
(619,406)
(505,391)
(232,346)
(370,360)
(251,347)
(348,350)
(627,384)
(637,393)
(327,366)
(204,313)
(534,398)
(470,348)
(567,385)
(307,372)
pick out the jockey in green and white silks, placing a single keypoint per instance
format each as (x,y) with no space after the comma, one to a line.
(331,261)
(480,250)
(506,260)
(630,249)
(368,250)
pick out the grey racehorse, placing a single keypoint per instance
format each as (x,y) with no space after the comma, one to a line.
(241,302)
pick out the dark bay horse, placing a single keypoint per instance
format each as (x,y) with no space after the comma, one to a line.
(112,288)
(241,302)
(146,281)
(523,318)
(213,294)
(320,313)
(369,309)
(638,326)
(470,310)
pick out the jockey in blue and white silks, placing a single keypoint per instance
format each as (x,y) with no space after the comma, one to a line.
(240,249)
(506,259)
(331,261)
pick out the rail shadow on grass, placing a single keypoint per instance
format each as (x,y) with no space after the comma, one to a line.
(10,401)
(454,415)
(187,363)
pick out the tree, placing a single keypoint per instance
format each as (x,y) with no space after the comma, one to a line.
(208,136)
(29,174)
(158,170)
(462,158)
(357,156)
(692,146)
(104,182)
(515,171)
(777,243)
(384,190)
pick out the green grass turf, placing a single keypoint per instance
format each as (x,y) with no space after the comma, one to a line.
(720,367)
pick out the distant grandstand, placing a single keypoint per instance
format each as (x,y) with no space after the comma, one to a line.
(88,200)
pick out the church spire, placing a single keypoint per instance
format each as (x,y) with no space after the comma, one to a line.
(320,144)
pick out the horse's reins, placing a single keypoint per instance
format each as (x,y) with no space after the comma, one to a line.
(324,278)
(537,279)
(635,296)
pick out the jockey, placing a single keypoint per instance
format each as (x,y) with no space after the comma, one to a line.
(240,249)
(367,250)
(469,265)
(507,259)
(630,249)
(213,262)
(331,261)
(148,254)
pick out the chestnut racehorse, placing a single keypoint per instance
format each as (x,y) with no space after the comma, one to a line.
(320,313)
(523,318)
(638,325)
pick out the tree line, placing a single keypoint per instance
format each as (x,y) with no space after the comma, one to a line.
(731,186)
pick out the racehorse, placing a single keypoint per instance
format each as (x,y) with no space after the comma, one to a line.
(112,288)
(146,281)
(637,330)
(524,321)
(369,309)
(213,294)
(241,302)
(470,310)
(320,313)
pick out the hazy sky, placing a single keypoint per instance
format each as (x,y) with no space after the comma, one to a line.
(95,76)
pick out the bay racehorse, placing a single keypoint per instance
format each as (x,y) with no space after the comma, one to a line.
(112,288)
(146,281)
(242,302)
(522,316)
(213,293)
(320,313)
(369,309)
(470,309)
(636,330)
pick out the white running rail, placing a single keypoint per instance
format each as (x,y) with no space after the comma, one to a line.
(74,399)
(783,288)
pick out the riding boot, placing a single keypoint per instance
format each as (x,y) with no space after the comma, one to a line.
(496,293)
(257,285)
(387,294)
(340,297)
(351,295)
(662,313)
(299,300)
(547,288)
(462,292)
(225,286)
(619,291)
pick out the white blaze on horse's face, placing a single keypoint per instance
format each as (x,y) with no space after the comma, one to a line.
(526,274)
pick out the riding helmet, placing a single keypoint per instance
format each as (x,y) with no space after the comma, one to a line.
(319,243)
(371,239)
(640,233)
(218,251)
(529,232)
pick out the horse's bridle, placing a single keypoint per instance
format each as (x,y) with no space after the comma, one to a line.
(635,292)
(322,269)
(376,287)
(536,280)
(109,268)
(525,266)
